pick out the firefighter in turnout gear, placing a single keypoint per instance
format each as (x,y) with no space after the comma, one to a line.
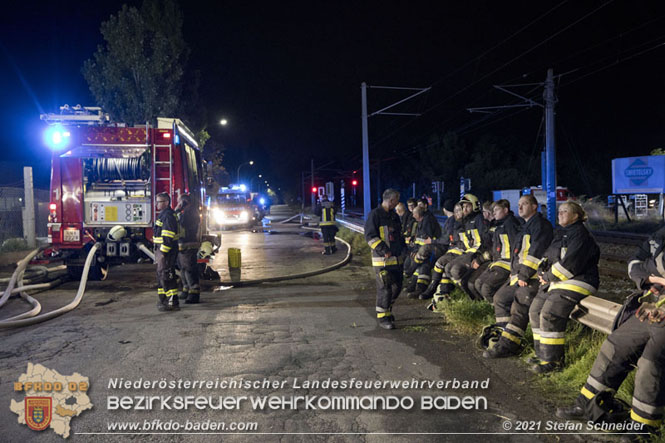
(188,247)
(572,263)
(441,282)
(638,341)
(476,238)
(328,226)
(409,224)
(506,228)
(383,234)
(513,300)
(420,269)
(165,237)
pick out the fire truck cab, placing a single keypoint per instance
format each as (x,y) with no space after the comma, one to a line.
(104,179)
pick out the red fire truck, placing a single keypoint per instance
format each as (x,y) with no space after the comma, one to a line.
(104,179)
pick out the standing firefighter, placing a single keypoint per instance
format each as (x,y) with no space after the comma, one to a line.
(328,226)
(384,236)
(188,248)
(166,252)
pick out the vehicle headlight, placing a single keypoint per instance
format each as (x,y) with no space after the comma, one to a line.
(219,216)
(244,216)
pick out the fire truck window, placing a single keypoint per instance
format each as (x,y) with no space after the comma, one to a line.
(193,176)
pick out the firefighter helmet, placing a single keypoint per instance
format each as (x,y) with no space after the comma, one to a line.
(205,250)
(117,233)
(489,337)
(470,198)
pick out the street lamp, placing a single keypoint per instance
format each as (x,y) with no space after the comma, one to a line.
(223,122)
(251,162)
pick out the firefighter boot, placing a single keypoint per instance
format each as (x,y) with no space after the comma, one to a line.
(429,292)
(173,303)
(327,251)
(192,298)
(576,411)
(333,249)
(505,348)
(411,287)
(386,322)
(546,367)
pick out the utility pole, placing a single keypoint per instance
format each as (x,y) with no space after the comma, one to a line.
(29,211)
(548,160)
(313,201)
(367,204)
(549,181)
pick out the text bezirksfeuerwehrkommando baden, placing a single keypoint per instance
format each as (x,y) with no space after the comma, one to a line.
(293,383)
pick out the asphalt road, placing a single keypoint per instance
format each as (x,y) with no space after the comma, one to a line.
(319,328)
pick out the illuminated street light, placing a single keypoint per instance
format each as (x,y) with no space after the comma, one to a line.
(251,162)
(223,122)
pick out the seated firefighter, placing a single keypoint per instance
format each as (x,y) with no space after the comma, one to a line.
(638,341)
(477,242)
(505,229)
(513,300)
(571,273)
(421,261)
(440,282)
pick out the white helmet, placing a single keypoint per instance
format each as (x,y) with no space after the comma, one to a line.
(205,250)
(117,233)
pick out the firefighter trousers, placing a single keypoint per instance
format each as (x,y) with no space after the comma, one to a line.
(511,308)
(489,282)
(549,316)
(167,284)
(189,272)
(388,287)
(633,343)
(328,233)
(440,279)
(469,283)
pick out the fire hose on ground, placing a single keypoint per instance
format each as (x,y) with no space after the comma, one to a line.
(31,317)
(337,265)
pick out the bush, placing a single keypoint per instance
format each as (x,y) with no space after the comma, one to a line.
(14,244)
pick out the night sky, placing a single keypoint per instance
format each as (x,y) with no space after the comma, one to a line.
(287,76)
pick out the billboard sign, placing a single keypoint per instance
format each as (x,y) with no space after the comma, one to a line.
(638,175)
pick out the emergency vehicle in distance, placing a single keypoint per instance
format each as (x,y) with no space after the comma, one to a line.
(104,179)
(513,195)
(233,206)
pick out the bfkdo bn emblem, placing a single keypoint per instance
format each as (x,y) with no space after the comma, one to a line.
(38,412)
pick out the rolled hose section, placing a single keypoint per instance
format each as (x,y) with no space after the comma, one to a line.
(52,314)
(36,306)
(18,274)
(337,265)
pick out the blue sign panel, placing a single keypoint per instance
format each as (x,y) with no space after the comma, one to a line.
(638,175)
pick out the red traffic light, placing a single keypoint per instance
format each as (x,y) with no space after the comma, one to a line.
(314,189)
(354,182)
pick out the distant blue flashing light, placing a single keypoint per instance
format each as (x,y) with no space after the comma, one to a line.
(56,137)
(243,188)
(262,201)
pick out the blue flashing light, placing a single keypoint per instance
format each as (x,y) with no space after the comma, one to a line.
(56,137)
(262,201)
(243,188)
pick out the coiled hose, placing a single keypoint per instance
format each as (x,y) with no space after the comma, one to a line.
(21,320)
